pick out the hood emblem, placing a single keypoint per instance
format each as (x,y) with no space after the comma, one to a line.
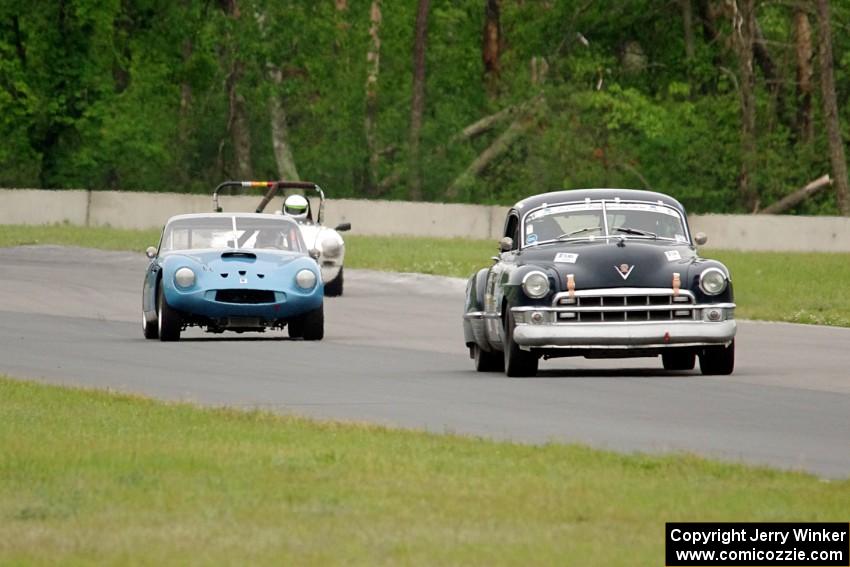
(624,270)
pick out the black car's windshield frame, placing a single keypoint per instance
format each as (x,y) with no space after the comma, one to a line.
(604,207)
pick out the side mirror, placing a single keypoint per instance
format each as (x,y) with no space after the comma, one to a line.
(150,252)
(700,238)
(314,254)
(343,226)
(506,244)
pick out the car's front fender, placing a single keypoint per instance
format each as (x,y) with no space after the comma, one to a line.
(696,269)
(514,295)
(476,287)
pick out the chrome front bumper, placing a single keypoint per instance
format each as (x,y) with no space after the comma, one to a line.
(625,335)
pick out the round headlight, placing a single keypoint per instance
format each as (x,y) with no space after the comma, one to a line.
(184,277)
(712,281)
(535,284)
(330,247)
(305,279)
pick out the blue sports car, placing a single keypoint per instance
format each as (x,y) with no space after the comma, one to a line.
(232,272)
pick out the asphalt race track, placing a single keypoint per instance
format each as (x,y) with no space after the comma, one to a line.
(394,354)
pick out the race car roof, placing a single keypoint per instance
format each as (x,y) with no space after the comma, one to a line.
(563,196)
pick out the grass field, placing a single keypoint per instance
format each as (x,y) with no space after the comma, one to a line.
(93,477)
(774,286)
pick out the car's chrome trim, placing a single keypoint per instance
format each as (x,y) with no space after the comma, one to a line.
(615,291)
(625,304)
(481,315)
(674,307)
(624,347)
(625,335)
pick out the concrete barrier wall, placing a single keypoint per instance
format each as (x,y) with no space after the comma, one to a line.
(150,210)
(36,206)
(419,219)
(774,232)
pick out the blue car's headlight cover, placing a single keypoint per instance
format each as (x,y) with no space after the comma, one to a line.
(306,279)
(184,277)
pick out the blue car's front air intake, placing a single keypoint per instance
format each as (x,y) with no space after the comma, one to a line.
(239,255)
(245,296)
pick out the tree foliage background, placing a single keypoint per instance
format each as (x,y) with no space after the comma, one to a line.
(139,95)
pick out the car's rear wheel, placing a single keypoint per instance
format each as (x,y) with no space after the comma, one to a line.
(334,287)
(149,329)
(518,362)
(678,359)
(487,361)
(312,324)
(168,320)
(718,360)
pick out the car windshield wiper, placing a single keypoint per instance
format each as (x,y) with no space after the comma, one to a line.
(576,232)
(628,230)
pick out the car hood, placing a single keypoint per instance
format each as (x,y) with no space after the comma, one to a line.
(615,262)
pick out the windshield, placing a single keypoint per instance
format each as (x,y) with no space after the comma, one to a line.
(226,232)
(603,219)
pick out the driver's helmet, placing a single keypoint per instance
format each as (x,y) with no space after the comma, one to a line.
(296,207)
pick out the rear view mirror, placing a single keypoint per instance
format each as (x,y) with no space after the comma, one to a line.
(700,238)
(150,252)
(506,244)
(343,226)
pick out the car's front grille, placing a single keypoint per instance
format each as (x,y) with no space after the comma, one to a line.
(244,296)
(623,305)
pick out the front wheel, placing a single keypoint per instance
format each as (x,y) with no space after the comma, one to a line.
(718,360)
(294,328)
(312,324)
(487,361)
(150,329)
(677,359)
(334,287)
(518,362)
(168,319)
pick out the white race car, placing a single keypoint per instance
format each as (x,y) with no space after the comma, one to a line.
(326,244)
(331,248)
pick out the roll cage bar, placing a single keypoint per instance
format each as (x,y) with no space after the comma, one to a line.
(273,187)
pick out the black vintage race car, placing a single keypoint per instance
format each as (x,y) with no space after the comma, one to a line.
(600,273)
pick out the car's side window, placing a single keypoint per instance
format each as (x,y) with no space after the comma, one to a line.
(512,229)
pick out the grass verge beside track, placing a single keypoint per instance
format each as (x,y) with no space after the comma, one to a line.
(104,238)
(94,477)
(775,286)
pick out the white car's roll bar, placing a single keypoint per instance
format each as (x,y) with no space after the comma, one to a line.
(273,188)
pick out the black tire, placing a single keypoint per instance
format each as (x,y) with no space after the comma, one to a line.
(149,329)
(168,319)
(334,287)
(718,361)
(313,324)
(488,361)
(295,329)
(518,363)
(678,359)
